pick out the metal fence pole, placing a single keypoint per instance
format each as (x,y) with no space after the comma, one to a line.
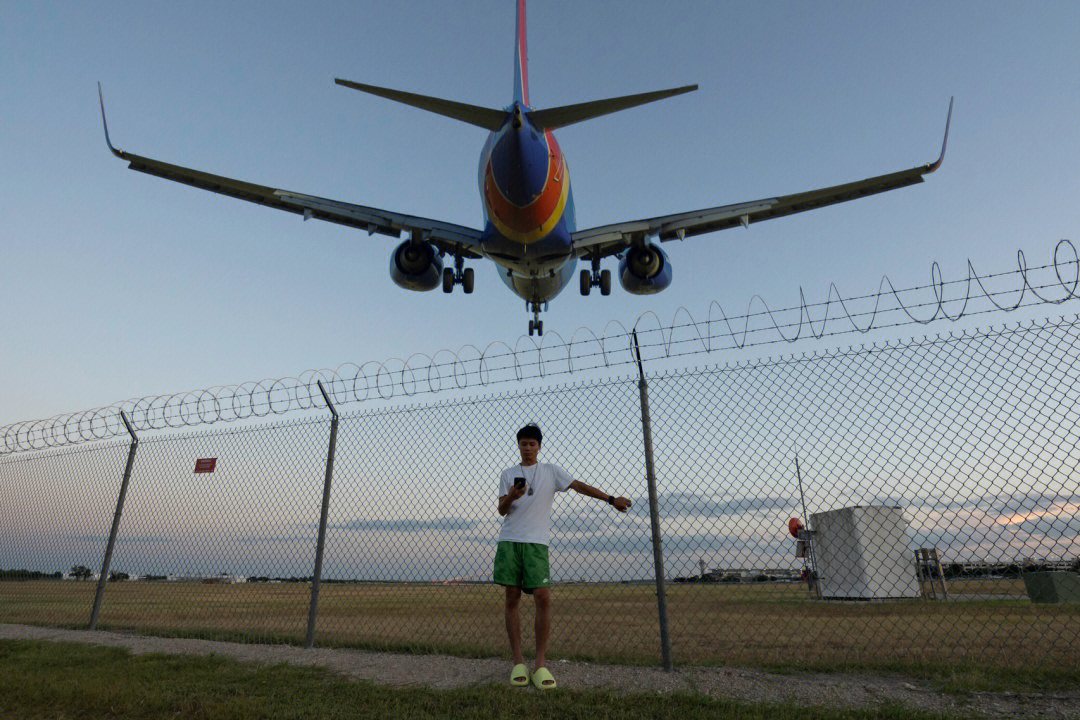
(316,577)
(104,578)
(654,511)
(809,532)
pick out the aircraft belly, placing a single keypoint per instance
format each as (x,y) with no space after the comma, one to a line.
(539,287)
(547,254)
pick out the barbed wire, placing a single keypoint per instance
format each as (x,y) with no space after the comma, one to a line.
(551,355)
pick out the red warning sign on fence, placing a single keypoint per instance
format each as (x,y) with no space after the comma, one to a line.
(205,465)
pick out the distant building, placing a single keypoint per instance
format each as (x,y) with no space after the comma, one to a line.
(754,573)
(223,578)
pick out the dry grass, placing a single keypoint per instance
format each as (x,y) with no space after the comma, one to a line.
(753,623)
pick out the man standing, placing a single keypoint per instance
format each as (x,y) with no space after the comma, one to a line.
(521,561)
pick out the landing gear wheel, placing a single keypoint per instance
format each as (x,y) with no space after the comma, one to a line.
(467,281)
(447,280)
(536,324)
(586,282)
(605,282)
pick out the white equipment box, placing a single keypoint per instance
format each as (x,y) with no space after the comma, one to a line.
(863,553)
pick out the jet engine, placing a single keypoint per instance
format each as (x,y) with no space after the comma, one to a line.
(416,265)
(644,270)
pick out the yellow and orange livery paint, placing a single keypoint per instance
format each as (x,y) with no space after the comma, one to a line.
(527,224)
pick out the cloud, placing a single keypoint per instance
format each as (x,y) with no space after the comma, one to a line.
(136,539)
(447,524)
(276,538)
(1055,527)
(992,503)
(693,504)
(640,542)
(1066,510)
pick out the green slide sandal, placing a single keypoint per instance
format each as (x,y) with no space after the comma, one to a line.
(519,676)
(543,680)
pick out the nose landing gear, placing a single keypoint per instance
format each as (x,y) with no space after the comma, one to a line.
(536,324)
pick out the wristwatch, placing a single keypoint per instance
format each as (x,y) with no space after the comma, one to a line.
(611,500)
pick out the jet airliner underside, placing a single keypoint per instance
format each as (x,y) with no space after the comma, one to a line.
(529,229)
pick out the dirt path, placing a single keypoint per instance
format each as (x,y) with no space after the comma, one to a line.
(444,672)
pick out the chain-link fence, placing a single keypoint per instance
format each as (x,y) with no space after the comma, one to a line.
(898,503)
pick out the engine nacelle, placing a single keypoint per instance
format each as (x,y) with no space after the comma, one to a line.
(644,270)
(416,266)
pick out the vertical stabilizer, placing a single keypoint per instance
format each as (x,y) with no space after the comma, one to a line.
(521,58)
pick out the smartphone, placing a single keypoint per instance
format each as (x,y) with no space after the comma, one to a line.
(519,482)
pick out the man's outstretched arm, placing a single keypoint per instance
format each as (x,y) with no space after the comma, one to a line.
(619,503)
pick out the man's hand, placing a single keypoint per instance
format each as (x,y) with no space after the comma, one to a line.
(508,499)
(622,504)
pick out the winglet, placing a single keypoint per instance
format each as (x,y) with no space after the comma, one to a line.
(101,101)
(937,163)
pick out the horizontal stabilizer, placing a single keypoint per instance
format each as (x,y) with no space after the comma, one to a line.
(472,114)
(558,117)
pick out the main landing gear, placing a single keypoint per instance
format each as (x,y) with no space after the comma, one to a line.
(459,274)
(595,278)
(536,324)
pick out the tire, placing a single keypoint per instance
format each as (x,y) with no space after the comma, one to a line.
(467,280)
(605,282)
(586,283)
(539,327)
(447,280)
(532,326)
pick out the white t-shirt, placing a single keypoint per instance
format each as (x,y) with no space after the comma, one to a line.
(529,519)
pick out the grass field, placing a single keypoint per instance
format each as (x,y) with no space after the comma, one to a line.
(63,680)
(762,624)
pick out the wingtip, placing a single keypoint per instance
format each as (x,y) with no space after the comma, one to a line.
(945,141)
(105,124)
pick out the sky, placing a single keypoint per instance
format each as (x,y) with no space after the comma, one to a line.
(115,284)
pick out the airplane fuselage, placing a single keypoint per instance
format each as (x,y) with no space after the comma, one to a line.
(528,208)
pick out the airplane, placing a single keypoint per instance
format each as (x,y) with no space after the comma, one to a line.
(530,232)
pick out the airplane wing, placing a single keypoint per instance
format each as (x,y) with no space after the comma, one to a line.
(611,239)
(455,239)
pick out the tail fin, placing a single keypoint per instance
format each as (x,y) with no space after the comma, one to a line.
(521,58)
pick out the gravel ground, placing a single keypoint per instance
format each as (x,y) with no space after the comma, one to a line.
(443,672)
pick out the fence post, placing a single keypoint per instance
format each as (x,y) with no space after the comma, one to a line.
(316,577)
(654,511)
(809,532)
(104,578)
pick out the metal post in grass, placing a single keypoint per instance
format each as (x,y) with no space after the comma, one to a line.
(809,532)
(104,578)
(654,510)
(316,577)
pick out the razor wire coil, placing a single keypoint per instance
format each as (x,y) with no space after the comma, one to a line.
(498,362)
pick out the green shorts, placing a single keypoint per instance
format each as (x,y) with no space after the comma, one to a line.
(522,565)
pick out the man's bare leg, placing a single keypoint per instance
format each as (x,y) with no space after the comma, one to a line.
(513,623)
(542,626)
